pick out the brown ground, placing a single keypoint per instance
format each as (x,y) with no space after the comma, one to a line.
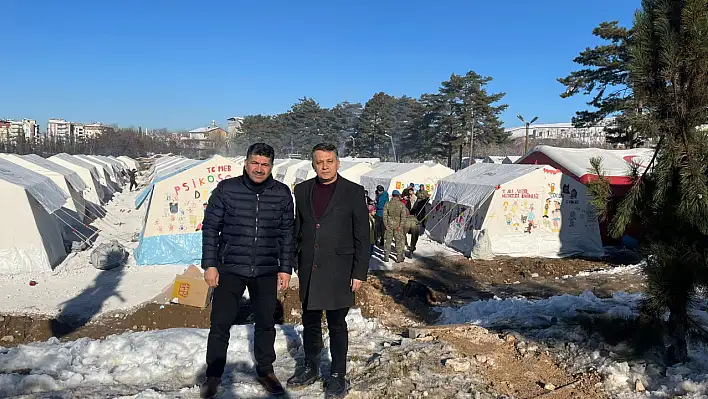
(400,299)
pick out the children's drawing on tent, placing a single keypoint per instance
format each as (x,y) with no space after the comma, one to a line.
(519,208)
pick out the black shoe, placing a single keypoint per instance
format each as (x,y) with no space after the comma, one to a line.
(209,388)
(271,384)
(303,377)
(337,387)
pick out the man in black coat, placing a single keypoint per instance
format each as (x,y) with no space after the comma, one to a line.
(333,251)
(247,241)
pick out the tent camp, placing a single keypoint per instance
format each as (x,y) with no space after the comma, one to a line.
(575,162)
(489,210)
(30,240)
(396,176)
(116,166)
(280,167)
(88,173)
(353,171)
(68,181)
(511,159)
(176,200)
(104,173)
(291,172)
(132,164)
(493,159)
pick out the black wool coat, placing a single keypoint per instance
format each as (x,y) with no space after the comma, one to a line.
(334,249)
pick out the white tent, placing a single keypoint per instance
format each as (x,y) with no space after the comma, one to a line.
(132,164)
(489,210)
(280,167)
(366,160)
(289,174)
(576,161)
(88,173)
(304,172)
(30,238)
(115,165)
(67,180)
(353,171)
(104,174)
(493,159)
(111,177)
(511,159)
(397,176)
(176,201)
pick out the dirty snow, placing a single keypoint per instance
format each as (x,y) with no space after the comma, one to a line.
(162,364)
(551,320)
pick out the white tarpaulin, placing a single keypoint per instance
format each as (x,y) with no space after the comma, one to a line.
(489,210)
(30,238)
(397,176)
(71,177)
(76,161)
(94,191)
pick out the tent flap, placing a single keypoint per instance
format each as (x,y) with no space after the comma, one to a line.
(71,177)
(179,249)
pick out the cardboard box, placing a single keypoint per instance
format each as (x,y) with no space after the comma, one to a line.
(190,289)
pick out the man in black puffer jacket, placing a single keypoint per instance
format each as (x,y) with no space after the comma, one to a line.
(247,241)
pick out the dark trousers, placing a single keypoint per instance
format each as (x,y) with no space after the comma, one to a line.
(133,184)
(338,338)
(414,238)
(379,230)
(224,307)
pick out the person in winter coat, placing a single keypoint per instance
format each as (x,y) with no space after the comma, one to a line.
(133,183)
(247,242)
(381,200)
(332,236)
(395,214)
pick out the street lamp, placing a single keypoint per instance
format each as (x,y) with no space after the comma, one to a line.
(528,124)
(393,147)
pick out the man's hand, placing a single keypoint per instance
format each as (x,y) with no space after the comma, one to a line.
(355,284)
(211,276)
(283,281)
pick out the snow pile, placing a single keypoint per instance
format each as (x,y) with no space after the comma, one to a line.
(552,320)
(157,364)
(627,269)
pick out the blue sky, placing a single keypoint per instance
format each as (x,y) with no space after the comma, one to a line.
(182,63)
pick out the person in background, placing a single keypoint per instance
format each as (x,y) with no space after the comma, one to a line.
(372,225)
(133,183)
(247,241)
(333,241)
(381,200)
(395,214)
(422,193)
(411,186)
(369,201)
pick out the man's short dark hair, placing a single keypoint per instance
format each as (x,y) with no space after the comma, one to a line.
(261,149)
(327,147)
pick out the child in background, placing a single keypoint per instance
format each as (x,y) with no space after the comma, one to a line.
(372,223)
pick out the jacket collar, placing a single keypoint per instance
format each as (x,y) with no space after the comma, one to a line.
(268,183)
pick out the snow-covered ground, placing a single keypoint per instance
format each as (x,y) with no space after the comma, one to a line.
(75,287)
(425,248)
(549,319)
(163,364)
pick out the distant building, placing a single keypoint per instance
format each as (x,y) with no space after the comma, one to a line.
(203,138)
(12,130)
(593,135)
(234,126)
(93,130)
(58,129)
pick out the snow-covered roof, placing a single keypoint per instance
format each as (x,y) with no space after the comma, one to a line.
(391,169)
(79,162)
(41,188)
(576,161)
(494,159)
(472,185)
(511,159)
(71,177)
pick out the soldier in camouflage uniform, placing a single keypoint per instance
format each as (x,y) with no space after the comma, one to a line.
(395,214)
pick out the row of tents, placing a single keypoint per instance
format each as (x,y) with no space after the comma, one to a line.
(178,190)
(537,206)
(48,203)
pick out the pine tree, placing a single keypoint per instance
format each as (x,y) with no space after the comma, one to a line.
(376,121)
(605,77)
(669,72)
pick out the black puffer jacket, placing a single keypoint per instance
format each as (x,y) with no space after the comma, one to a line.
(248,228)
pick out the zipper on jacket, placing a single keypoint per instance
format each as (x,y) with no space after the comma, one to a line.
(223,255)
(255,239)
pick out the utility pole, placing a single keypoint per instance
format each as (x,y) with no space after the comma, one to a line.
(393,146)
(528,125)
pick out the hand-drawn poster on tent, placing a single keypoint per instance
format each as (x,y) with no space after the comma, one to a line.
(179,202)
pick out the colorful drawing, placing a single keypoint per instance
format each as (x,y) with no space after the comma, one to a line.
(530,219)
(546,208)
(571,220)
(506,206)
(552,186)
(556,221)
(174,207)
(566,189)
(573,194)
(508,219)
